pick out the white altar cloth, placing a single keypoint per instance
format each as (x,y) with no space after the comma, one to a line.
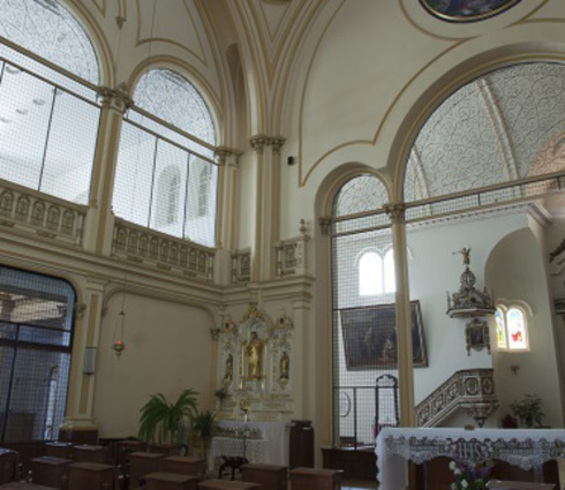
(274,433)
(526,448)
(255,450)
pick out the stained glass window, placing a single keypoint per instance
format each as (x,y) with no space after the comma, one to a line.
(511,328)
(517,335)
(500,329)
(48,29)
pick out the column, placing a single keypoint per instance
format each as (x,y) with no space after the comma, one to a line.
(227,212)
(260,234)
(80,398)
(99,220)
(403,317)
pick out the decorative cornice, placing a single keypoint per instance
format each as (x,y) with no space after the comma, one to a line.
(116,98)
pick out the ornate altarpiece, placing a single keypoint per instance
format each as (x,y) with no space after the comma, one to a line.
(255,366)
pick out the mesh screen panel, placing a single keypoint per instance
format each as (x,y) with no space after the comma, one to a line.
(47,135)
(162,185)
(364,342)
(35,353)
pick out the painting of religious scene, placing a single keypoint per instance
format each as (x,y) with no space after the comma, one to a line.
(369,337)
(467,10)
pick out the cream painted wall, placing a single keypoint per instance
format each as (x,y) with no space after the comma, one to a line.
(169,349)
(515,270)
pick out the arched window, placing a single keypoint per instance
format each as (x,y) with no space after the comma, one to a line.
(376,273)
(148,146)
(36,320)
(168,197)
(511,328)
(48,121)
(370,274)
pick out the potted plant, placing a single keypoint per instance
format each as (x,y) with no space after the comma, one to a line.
(203,425)
(528,410)
(163,422)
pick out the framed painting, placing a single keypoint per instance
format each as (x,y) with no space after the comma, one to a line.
(369,337)
(466,10)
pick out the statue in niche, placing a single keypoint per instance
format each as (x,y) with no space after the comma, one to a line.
(254,353)
(284,366)
(228,376)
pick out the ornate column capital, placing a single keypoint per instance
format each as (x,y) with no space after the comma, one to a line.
(326,225)
(277,142)
(223,154)
(395,212)
(258,142)
(116,98)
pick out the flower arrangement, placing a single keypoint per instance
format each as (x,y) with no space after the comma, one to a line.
(470,476)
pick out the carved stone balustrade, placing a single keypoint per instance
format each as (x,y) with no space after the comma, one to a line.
(43,215)
(149,247)
(291,254)
(241,266)
(471,390)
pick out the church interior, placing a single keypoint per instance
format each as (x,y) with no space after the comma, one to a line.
(325,217)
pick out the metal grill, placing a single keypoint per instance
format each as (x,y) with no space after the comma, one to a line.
(35,352)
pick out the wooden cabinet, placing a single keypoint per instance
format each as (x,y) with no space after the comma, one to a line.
(271,477)
(301,444)
(357,464)
(92,476)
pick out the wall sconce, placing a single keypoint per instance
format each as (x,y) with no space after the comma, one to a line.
(89,360)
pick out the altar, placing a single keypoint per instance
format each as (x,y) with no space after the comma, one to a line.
(259,442)
(525,448)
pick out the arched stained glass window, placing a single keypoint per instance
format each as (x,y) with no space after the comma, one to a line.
(48,29)
(148,147)
(511,328)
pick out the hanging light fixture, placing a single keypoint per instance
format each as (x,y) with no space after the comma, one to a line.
(118,342)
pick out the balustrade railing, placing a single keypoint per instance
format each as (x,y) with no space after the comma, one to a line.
(149,247)
(47,216)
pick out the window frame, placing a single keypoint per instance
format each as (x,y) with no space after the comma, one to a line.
(505,308)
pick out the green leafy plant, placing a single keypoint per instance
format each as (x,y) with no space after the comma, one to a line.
(204,424)
(528,410)
(162,421)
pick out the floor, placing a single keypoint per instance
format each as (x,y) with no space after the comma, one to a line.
(357,485)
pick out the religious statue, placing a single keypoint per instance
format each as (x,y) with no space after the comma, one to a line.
(284,366)
(466,253)
(254,353)
(228,376)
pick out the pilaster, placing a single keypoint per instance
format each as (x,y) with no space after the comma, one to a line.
(267,205)
(80,399)
(396,213)
(99,220)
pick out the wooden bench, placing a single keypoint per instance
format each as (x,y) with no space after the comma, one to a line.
(23,486)
(59,450)
(51,471)
(271,477)
(170,481)
(8,465)
(518,485)
(86,453)
(142,463)
(310,479)
(228,485)
(185,465)
(92,476)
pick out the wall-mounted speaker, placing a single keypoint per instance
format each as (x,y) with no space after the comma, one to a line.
(291,160)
